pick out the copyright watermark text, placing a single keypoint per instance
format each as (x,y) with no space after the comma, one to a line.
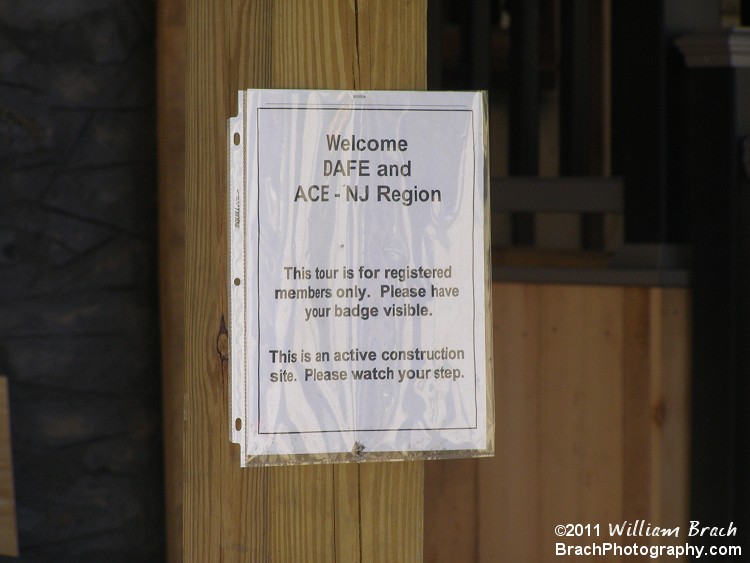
(640,538)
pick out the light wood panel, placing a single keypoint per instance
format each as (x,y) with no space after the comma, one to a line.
(371,512)
(670,407)
(8,530)
(592,415)
(516,323)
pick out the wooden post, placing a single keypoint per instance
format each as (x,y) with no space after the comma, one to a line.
(8,531)
(368,512)
(171,136)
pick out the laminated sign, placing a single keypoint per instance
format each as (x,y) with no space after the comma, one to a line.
(359,276)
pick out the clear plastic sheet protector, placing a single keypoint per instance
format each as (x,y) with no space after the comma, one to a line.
(359,276)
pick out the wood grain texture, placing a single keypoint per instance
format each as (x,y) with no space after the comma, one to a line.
(517,466)
(318,513)
(670,406)
(391,511)
(581,408)
(377,31)
(450,506)
(637,386)
(8,528)
(592,421)
(170,101)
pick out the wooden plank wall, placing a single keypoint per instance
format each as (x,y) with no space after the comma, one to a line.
(8,528)
(370,512)
(591,391)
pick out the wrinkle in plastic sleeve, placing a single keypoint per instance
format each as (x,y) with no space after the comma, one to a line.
(359,277)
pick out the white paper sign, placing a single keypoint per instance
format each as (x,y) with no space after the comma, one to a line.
(359,294)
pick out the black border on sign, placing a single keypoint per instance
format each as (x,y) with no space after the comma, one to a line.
(473,263)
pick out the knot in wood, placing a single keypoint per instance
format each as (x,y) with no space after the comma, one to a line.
(659,413)
(222,341)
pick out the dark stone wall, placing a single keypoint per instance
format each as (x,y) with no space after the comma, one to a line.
(78,311)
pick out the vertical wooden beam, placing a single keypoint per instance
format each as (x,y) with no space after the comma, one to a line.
(451,510)
(322,513)
(435,45)
(717,181)
(576,88)
(481,26)
(580,101)
(8,530)
(648,123)
(524,68)
(638,116)
(524,87)
(718,289)
(171,148)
